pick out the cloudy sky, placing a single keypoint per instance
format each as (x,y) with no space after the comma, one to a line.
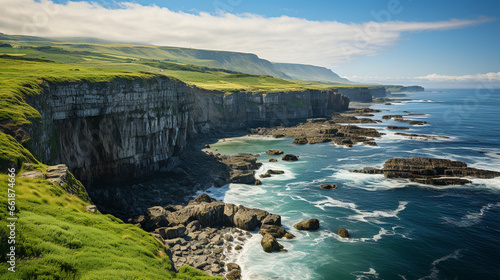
(450,43)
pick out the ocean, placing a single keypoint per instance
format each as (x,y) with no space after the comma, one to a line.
(399,229)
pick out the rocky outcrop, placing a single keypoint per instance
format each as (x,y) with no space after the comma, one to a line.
(241,167)
(398,128)
(310,224)
(290,157)
(430,171)
(274,152)
(270,244)
(415,136)
(313,132)
(330,186)
(343,233)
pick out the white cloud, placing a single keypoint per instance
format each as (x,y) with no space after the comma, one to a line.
(491,79)
(281,39)
(488,77)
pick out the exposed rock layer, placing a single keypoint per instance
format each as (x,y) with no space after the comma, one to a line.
(110,131)
(430,171)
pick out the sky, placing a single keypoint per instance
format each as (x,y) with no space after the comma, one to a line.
(431,43)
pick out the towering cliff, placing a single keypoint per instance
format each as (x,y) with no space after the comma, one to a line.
(108,132)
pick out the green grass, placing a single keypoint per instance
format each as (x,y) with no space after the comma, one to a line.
(57,239)
(214,71)
(21,77)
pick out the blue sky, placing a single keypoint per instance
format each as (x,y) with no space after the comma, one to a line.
(405,40)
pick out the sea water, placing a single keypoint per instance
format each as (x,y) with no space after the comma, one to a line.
(399,229)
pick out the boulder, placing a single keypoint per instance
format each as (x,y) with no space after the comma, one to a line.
(328,186)
(156,217)
(242,177)
(258,182)
(275,231)
(233,266)
(202,198)
(274,152)
(33,175)
(91,208)
(171,232)
(57,174)
(193,226)
(343,233)
(289,235)
(270,244)
(272,219)
(310,224)
(271,172)
(233,275)
(208,214)
(290,157)
(273,160)
(398,127)
(300,141)
(249,219)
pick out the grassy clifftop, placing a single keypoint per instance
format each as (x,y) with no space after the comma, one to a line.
(55,237)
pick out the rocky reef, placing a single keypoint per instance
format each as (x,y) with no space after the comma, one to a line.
(321,130)
(430,171)
(199,233)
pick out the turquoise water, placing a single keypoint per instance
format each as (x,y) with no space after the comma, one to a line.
(399,230)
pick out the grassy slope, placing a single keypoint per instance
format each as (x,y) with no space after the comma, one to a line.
(56,238)
(164,60)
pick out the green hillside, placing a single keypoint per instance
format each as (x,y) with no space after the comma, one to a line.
(55,237)
(310,73)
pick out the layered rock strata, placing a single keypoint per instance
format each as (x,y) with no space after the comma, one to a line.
(430,171)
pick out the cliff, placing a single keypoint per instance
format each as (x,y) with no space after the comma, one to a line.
(110,131)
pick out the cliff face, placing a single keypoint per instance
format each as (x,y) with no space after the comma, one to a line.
(108,132)
(359,94)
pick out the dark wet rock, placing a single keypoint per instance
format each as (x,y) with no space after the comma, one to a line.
(274,152)
(388,117)
(329,186)
(398,127)
(271,172)
(270,244)
(430,171)
(258,182)
(207,146)
(344,118)
(417,122)
(238,247)
(290,157)
(273,160)
(300,141)
(310,224)
(370,143)
(414,136)
(343,233)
